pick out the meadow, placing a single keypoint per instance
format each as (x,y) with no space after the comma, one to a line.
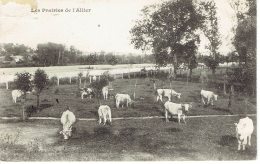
(202,138)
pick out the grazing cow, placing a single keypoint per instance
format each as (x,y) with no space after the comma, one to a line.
(122,99)
(167,93)
(88,92)
(244,130)
(16,94)
(105,92)
(176,109)
(104,112)
(209,96)
(94,78)
(67,120)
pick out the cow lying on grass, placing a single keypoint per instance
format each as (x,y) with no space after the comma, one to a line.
(244,130)
(167,93)
(122,99)
(67,119)
(104,113)
(87,92)
(176,109)
(209,96)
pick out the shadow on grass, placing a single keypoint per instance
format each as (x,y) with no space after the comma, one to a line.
(44,106)
(173,130)
(222,110)
(227,140)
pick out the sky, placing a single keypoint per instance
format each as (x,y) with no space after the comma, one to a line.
(105,27)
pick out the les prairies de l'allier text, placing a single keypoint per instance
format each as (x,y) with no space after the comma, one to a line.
(45,10)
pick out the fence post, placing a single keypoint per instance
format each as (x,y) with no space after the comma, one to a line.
(7,87)
(90,79)
(122,75)
(58,81)
(70,79)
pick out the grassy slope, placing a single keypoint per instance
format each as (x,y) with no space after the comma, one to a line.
(151,139)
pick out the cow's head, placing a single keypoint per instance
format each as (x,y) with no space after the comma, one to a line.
(178,95)
(215,97)
(186,107)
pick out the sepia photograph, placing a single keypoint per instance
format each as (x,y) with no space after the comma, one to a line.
(128,80)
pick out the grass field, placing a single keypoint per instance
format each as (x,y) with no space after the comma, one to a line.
(151,139)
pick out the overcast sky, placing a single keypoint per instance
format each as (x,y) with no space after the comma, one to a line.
(106,27)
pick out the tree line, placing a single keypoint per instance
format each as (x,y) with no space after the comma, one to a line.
(54,54)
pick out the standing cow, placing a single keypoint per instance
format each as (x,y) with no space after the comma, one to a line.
(244,130)
(122,99)
(167,93)
(176,109)
(209,96)
(104,113)
(67,120)
(105,92)
(16,94)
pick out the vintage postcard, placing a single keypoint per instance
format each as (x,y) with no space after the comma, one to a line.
(128,80)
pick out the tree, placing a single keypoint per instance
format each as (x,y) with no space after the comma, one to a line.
(112,60)
(40,81)
(23,83)
(165,29)
(245,44)
(211,31)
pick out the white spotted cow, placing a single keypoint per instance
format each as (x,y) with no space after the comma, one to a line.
(209,96)
(176,109)
(122,99)
(104,113)
(167,93)
(88,92)
(16,94)
(105,92)
(244,130)
(67,119)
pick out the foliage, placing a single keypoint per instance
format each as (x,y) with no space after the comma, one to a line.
(211,31)
(165,29)
(22,82)
(40,80)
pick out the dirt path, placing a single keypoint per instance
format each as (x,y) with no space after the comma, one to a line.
(122,118)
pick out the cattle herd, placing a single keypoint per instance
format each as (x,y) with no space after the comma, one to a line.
(244,128)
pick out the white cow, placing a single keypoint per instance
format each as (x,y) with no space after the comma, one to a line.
(244,130)
(67,119)
(176,109)
(209,96)
(87,92)
(122,99)
(104,112)
(94,78)
(167,93)
(16,94)
(105,92)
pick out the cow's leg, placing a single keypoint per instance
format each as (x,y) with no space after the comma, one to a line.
(249,140)
(100,120)
(202,101)
(211,101)
(239,145)
(161,97)
(208,101)
(105,120)
(179,118)
(157,98)
(166,116)
(110,119)
(183,117)
(117,104)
